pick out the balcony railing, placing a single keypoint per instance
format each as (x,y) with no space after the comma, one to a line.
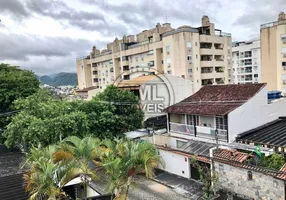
(208,132)
(182,128)
(202,131)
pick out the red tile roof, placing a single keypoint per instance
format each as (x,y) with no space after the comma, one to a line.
(282,171)
(216,99)
(231,155)
(236,159)
(87,89)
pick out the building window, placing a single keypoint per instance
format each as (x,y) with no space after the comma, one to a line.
(189,44)
(255,75)
(233,69)
(237,54)
(189,58)
(249,175)
(283,64)
(162,61)
(196,44)
(167,49)
(169,71)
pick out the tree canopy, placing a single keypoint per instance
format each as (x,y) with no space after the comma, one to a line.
(15,83)
(44,120)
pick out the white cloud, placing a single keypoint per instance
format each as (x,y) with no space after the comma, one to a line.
(47,35)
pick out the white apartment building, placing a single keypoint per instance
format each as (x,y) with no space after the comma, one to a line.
(246,62)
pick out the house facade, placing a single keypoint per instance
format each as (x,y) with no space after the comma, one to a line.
(221,112)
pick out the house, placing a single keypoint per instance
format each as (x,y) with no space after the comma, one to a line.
(249,181)
(213,116)
(222,112)
(271,135)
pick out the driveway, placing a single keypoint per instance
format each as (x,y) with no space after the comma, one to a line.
(146,189)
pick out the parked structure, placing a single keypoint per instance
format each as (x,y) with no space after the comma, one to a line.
(201,55)
(270,135)
(246,62)
(273,53)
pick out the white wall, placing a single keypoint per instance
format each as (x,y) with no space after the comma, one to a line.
(175,163)
(254,113)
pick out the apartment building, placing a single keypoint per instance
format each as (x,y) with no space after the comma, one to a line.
(273,53)
(201,55)
(246,62)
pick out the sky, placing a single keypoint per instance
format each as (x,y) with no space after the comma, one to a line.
(46,36)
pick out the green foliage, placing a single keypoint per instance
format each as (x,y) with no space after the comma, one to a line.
(209,180)
(126,107)
(275,161)
(50,168)
(45,119)
(15,83)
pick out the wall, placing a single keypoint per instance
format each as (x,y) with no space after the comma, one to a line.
(84,76)
(175,163)
(262,186)
(254,113)
(206,120)
(269,57)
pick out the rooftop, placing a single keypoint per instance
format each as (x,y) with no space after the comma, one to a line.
(214,100)
(272,133)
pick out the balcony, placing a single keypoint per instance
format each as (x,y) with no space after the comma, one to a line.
(218,46)
(206,70)
(126,68)
(205,45)
(207,81)
(219,69)
(206,58)
(219,81)
(209,132)
(201,131)
(182,128)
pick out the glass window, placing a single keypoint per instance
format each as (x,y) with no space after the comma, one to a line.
(255,75)
(168,48)
(189,44)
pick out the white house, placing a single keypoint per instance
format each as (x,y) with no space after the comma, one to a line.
(214,115)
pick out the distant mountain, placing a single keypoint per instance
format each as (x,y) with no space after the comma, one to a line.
(62,78)
(46,80)
(52,75)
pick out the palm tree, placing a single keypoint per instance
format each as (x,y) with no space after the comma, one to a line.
(78,154)
(40,180)
(123,159)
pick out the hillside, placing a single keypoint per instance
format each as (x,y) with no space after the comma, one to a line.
(62,78)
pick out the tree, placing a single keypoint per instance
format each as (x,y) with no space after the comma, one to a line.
(44,120)
(15,83)
(79,152)
(123,159)
(40,179)
(127,108)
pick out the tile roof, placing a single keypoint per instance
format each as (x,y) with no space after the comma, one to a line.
(87,89)
(216,99)
(136,82)
(283,172)
(272,133)
(12,187)
(231,155)
(236,159)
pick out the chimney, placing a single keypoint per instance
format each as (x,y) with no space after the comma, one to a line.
(205,20)
(281,16)
(93,49)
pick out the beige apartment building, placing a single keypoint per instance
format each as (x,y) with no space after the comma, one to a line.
(273,54)
(202,55)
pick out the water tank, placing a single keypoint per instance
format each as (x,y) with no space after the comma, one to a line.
(274,94)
